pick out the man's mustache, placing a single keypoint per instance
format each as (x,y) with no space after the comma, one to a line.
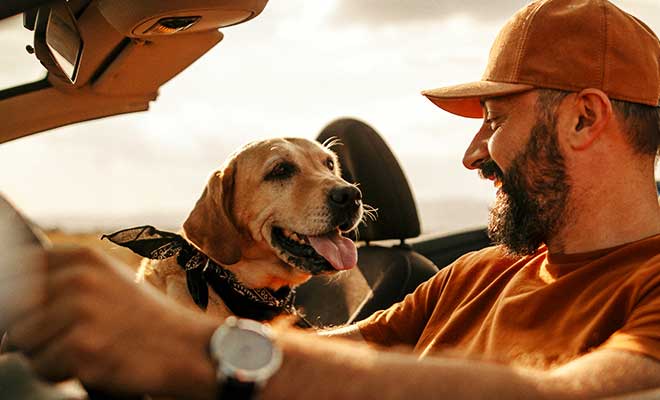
(489,170)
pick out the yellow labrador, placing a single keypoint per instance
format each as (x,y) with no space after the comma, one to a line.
(271,217)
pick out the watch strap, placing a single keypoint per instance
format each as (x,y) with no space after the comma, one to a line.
(233,389)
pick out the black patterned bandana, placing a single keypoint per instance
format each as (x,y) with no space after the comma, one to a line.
(257,304)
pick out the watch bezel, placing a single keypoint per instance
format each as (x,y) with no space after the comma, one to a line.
(227,370)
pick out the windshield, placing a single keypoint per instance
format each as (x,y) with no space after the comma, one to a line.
(291,71)
(18,66)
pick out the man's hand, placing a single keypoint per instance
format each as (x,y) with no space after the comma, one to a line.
(96,324)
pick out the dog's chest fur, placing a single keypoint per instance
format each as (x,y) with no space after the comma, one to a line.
(167,276)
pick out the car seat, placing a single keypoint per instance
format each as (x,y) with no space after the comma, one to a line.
(385,274)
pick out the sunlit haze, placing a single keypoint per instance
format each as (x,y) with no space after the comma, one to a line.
(289,72)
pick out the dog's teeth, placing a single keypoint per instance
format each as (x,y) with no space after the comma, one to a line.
(294,237)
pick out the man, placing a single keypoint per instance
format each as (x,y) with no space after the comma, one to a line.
(567,306)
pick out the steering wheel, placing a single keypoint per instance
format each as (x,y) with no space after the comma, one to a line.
(16,235)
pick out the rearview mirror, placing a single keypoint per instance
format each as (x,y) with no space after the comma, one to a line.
(57,41)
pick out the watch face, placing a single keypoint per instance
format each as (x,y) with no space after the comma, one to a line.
(246,350)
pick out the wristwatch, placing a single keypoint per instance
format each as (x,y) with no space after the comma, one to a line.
(246,357)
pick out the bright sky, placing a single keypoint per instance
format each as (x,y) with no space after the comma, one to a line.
(289,72)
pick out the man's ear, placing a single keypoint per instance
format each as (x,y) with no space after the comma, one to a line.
(210,226)
(591,114)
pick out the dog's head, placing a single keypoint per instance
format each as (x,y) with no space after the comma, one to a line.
(279,198)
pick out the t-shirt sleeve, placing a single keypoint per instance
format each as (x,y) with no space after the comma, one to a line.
(403,322)
(641,332)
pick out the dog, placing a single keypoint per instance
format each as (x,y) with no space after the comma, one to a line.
(272,216)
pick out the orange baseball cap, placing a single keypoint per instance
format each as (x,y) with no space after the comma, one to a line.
(568,45)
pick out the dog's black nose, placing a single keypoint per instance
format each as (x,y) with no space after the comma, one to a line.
(344,196)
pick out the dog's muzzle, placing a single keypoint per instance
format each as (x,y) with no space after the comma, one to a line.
(344,203)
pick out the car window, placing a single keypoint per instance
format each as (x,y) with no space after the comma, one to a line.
(289,72)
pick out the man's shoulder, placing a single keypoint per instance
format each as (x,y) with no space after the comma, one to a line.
(498,255)
(641,261)
(641,256)
(493,260)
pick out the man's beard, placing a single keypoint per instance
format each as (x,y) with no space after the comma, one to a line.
(532,201)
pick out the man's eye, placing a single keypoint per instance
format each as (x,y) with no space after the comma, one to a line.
(330,164)
(283,170)
(493,123)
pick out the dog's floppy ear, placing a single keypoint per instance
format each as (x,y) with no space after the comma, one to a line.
(210,226)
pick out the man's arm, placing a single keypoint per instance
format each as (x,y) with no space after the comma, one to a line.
(95,323)
(603,373)
(351,332)
(313,370)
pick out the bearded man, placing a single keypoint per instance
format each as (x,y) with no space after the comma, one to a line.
(571,147)
(566,305)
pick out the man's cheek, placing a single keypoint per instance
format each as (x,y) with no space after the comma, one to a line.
(500,151)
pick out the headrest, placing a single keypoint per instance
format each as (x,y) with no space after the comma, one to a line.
(366,159)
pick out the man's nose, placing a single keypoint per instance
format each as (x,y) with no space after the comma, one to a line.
(477,151)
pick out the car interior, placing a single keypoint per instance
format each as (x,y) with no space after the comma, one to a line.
(129,49)
(107,58)
(110,57)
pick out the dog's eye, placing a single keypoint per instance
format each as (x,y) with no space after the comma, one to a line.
(330,164)
(281,171)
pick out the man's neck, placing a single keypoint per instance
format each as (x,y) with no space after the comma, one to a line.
(600,218)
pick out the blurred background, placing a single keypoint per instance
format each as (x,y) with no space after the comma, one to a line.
(289,72)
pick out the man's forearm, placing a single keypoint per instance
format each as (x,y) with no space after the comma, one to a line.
(345,332)
(327,368)
(333,369)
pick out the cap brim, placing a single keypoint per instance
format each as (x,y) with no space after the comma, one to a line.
(465,99)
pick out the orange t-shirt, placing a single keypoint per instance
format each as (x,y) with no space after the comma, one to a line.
(537,311)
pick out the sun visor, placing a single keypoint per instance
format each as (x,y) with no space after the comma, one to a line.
(149,18)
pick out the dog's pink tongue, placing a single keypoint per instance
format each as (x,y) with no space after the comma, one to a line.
(338,250)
